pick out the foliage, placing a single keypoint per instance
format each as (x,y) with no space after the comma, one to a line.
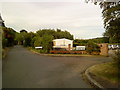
(111,16)
(27,39)
(42,38)
(83,42)
(116,58)
(56,34)
(47,43)
(100,40)
(92,47)
(8,36)
(18,38)
(80,42)
(4,42)
(71,52)
(67,52)
(37,41)
(23,31)
(24,38)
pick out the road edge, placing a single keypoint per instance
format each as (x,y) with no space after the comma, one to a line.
(93,81)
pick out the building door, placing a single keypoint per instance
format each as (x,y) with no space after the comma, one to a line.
(69,46)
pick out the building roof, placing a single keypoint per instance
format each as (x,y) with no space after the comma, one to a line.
(62,39)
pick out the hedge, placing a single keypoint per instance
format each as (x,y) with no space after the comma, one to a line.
(72,52)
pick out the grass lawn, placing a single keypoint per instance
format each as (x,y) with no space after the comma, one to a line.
(107,71)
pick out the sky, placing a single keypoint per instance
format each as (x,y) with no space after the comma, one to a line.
(83,20)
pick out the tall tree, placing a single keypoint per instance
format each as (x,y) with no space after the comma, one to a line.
(56,34)
(47,43)
(23,31)
(8,36)
(111,16)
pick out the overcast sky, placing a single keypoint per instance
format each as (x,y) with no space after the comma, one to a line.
(79,18)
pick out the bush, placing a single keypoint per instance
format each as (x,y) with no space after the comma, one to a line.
(47,43)
(4,42)
(67,52)
(116,58)
(92,47)
(37,41)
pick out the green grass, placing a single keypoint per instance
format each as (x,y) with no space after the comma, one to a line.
(108,71)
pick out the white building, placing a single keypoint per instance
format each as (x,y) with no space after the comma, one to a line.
(63,44)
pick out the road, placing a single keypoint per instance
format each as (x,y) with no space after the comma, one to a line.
(24,69)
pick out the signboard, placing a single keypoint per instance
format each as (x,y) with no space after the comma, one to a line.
(38,47)
(80,47)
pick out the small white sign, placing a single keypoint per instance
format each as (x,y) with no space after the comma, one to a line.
(38,47)
(80,47)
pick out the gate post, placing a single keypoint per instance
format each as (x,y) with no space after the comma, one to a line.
(104,49)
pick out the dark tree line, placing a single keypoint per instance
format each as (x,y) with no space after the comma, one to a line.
(8,37)
(84,42)
(42,37)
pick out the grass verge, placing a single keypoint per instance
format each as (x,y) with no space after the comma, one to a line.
(33,50)
(107,72)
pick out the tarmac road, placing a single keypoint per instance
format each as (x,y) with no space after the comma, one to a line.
(24,69)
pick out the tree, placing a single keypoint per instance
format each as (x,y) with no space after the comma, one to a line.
(56,34)
(8,37)
(46,31)
(92,47)
(18,38)
(37,41)
(47,43)
(116,58)
(4,42)
(23,31)
(80,42)
(25,38)
(111,16)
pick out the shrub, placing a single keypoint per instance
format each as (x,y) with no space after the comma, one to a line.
(116,58)
(92,47)
(67,52)
(47,43)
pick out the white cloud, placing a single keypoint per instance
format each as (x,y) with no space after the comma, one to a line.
(78,18)
(40,1)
